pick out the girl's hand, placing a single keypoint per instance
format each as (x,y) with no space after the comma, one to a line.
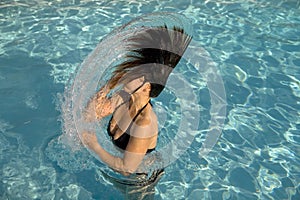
(103,108)
(98,107)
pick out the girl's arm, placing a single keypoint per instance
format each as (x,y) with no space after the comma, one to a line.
(133,155)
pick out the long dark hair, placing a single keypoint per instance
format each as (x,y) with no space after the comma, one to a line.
(153,54)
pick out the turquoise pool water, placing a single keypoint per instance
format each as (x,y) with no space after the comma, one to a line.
(256,46)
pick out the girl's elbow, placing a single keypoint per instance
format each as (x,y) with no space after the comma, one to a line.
(126,173)
(129,170)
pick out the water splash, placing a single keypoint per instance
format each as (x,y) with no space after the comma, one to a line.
(96,70)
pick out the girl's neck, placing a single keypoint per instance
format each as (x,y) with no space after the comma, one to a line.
(138,102)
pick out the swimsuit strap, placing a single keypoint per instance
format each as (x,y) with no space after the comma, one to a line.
(128,128)
(139,112)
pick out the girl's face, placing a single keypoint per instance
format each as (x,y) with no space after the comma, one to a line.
(134,85)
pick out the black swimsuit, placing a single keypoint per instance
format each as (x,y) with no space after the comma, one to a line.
(123,140)
(143,179)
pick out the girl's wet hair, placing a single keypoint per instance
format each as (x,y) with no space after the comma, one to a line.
(153,54)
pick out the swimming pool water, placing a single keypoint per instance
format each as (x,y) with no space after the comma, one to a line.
(256,46)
